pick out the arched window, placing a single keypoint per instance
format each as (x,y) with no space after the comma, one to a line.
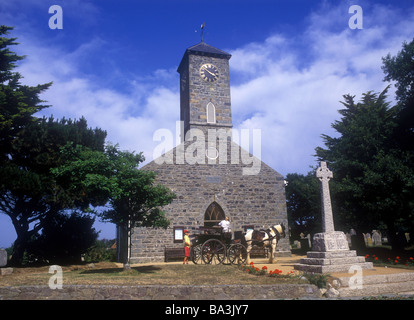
(214,214)
(211,113)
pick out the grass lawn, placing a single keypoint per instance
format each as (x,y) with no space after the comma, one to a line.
(107,273)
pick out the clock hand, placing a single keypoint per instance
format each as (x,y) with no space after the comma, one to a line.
(209,72)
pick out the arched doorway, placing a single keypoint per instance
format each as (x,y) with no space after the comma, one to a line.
(214,214)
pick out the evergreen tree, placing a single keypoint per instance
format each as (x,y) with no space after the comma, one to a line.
(372,175)
(400,69)
(18,103)
(64,239)
(29,148)
(29,192)
(303,202)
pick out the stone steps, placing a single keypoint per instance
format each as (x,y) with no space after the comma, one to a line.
(374,285)
(331,268)
(333,261)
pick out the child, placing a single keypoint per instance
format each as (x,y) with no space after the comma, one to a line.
(187,245)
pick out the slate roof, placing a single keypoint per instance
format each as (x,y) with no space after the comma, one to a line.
(204,49)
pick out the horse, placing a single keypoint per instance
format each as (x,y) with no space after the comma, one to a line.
(268,238)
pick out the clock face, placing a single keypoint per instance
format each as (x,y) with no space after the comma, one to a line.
(209,72)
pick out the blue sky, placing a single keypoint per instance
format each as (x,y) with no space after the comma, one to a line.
(115,63)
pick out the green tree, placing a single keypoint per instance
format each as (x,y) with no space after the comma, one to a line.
(64,238)
(372,178)
(303,203)
(134,197)
(400,69)
(29,193)
(18,102)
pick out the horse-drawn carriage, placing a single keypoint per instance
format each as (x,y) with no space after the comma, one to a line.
(213,246)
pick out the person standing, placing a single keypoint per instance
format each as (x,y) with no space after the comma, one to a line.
(225,224)
(187,246)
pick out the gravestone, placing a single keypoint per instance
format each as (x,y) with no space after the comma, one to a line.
(348,238)
(376,238)
(304,244)
(330,249)
(368,240)
(309,240)
(3,257)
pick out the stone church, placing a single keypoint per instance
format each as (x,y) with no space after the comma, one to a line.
(212,176)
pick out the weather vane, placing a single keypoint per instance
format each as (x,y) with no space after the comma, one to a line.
(202,31)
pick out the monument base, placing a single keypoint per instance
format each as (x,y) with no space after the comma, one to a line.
(330,241)
(331,254)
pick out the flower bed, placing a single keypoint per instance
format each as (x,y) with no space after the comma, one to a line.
(397,261)
(265,272)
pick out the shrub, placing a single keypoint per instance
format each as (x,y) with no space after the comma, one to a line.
(101,251)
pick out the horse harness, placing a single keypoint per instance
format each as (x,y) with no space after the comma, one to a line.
(260,235)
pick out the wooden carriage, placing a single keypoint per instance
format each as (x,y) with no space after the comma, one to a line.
(213,246)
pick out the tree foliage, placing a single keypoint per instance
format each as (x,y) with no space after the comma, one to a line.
(373,178)
(64,239)
(400,69)
(29,192)
(303,203)
(51,167)
(18,102)
(135,200)
(29,148)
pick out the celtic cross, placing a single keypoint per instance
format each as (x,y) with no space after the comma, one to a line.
(324,175)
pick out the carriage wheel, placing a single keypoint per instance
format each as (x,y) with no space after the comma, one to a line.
(237,254)
(213,251)
(196,254)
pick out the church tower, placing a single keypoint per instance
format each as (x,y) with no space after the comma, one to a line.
(211,175)
(205,88)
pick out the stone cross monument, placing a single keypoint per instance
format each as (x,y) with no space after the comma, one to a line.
(329,239)
(330,249)
(324,175)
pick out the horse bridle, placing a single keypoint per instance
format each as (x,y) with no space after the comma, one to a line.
(277,233)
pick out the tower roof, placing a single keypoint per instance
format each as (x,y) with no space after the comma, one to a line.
(204,49)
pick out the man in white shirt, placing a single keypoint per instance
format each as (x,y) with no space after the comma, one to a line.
(225,224)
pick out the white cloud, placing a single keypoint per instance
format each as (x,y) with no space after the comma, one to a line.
(294,101)
(289,87)
(130,116)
